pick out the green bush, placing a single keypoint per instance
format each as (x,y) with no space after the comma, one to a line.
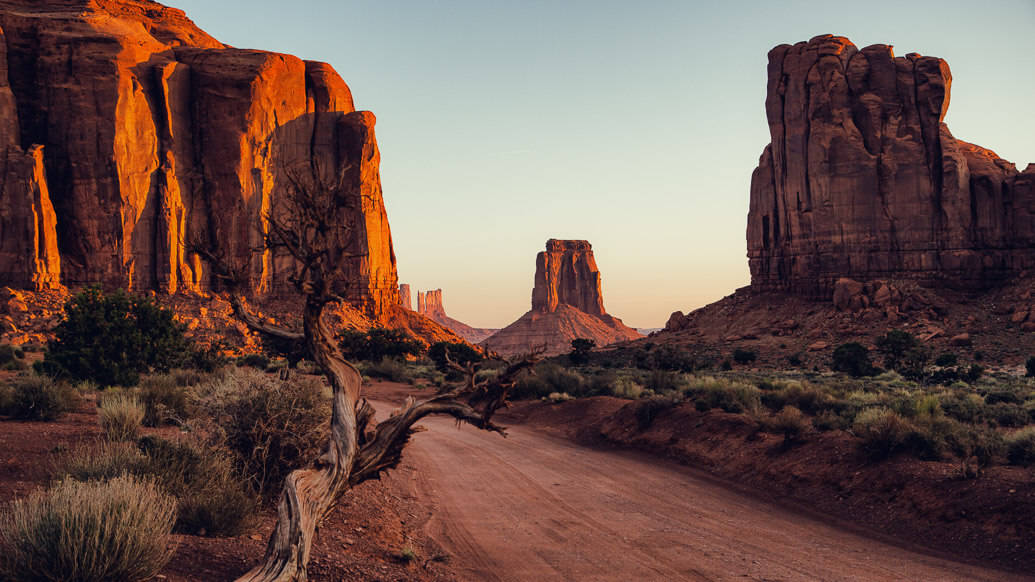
(853,359)
(112,531)
(257,361)
(733,397)
(460,353)
(946,360)
(270,426)
(1005,414)
(742,356)
(112,339)
(964,407)
(580,350)
(790,422)
(562,380)
(1020,447)
(120,416)
(894,346)
(378,343)
(883,432)
(41,398)
(1029,367)
(530,387)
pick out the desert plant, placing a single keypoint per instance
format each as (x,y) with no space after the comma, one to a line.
(945,360)
(790,422)
(166,398)
(894,345)
(883,432)
(1029,367)
(742,356)
(1020,447)
(104,531)
(580,349)
(41,398)
(257,361)
(389,369)
(272,427)
(378,343)
(853,359)
(460,353)
(120,416)
(648,409)
(113,338)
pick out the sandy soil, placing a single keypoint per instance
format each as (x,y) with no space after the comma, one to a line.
(532,507)
(536,507)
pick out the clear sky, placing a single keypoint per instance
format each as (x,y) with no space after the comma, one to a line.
(634,125)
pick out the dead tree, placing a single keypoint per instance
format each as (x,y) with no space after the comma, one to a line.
(311,222)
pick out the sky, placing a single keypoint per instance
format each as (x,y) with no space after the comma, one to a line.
(633,125)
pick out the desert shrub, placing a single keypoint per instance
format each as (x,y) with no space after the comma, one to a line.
(742,356)
(580,350)
(1020,447)
(648,409)
(257,361)
(41,398)
(207,359)
(6,399)
(556,397)
(114,338)
(964,407)
(9,353)
(530,386)
(166,398)
(662,381)
(1029,367)
(1004,395)
(805,397)
(271,427)
(946,360)
(626,387)
(894,346)
(974,443)
(790,422)
(794,360)
(882,431)
(853,359)
(378,343)
(460,353)
(213,500)
(1006,414)
(830,420)
(929,405)
(102,531)
(670,357)
(735,397)
(562,380)
(120,416)
(389,369)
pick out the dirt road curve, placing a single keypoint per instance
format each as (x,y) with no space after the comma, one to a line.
(531,507)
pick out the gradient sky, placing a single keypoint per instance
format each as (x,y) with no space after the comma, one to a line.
(634,125)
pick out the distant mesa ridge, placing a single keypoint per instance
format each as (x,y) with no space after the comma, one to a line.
(429,304)
(862,178)
(567,303)
(127,132)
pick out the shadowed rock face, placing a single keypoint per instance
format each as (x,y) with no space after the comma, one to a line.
(862,178)
(566,304)
(155,134)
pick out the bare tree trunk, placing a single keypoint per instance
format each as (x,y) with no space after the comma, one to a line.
(310,494)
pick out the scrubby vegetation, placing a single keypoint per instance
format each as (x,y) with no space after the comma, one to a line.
(120,416)
(112,339)
(115,530)
(377,344)
(37,398)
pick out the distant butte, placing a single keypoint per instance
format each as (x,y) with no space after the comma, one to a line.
(429,304)
(567,303)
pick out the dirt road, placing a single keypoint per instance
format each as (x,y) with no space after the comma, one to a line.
(533,507)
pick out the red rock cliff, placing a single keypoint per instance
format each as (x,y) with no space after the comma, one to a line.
(566,272)
(154,134)
(862,178)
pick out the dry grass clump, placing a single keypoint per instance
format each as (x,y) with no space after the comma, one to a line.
(102,531)
(883,431)
(1020,447)
(120,416)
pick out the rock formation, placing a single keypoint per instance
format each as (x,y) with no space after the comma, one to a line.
(863,179)
(126,131)
(567,303)
(429,304)
(405,295)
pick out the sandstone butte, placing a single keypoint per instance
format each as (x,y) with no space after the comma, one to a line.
(863,180)
(429,304)
(866,202)
(567,304)
(126,132)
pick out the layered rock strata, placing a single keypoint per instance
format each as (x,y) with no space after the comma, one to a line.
(567,303)
(405,296)
(863,179)
(144,133)
(429,304)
